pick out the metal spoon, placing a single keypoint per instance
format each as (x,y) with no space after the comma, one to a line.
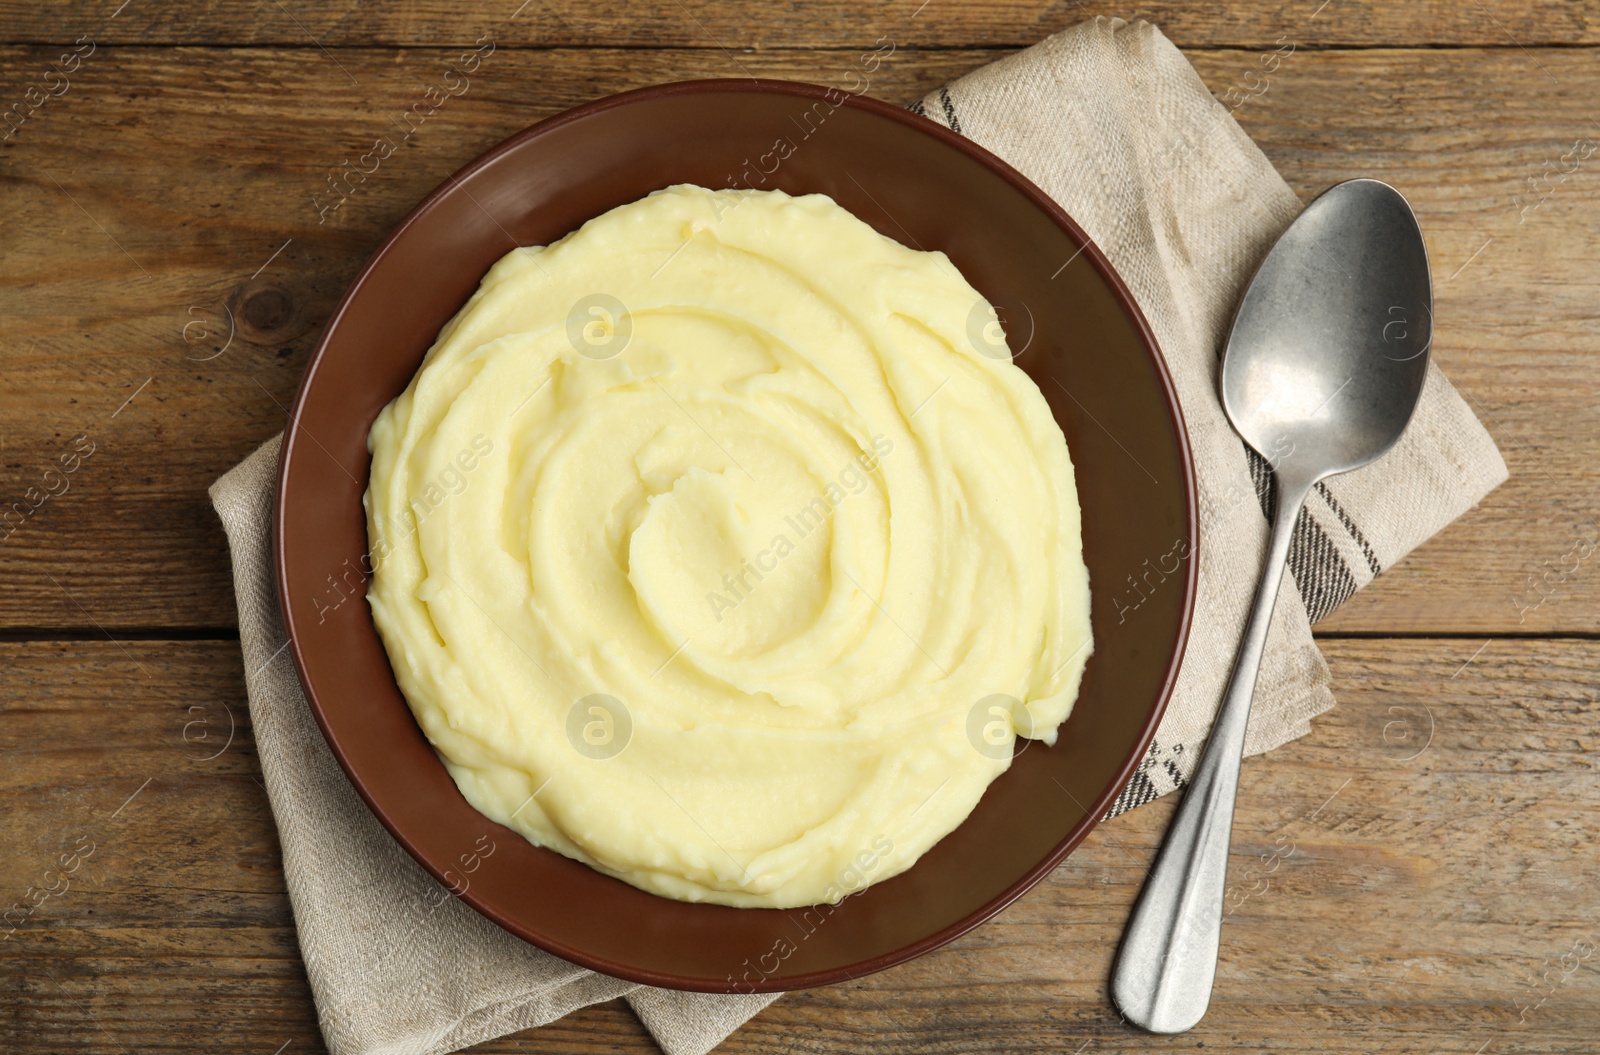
(1322,371)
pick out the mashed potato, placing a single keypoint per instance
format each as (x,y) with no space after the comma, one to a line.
(720,546)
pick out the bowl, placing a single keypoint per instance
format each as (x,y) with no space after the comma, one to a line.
(1085,344)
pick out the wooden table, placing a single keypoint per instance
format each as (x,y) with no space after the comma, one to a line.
(1427,883)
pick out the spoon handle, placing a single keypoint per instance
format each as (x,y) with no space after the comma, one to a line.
(1162,980)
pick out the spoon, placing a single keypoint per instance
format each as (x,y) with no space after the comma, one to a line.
(1323,369)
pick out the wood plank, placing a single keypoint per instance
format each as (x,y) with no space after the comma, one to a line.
(1421,866)
(747,24)
(168,185)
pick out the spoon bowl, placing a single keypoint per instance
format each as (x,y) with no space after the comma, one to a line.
(1329,347)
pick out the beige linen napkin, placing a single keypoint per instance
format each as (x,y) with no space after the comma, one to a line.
(1114,124)
(1111,121)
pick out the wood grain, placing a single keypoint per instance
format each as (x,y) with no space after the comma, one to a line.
(1419,858)
(168,188)
(1420,871)
(738,25)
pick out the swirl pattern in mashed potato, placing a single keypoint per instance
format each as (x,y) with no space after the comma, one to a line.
(717,549)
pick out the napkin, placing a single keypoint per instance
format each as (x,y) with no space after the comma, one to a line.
(1111,121)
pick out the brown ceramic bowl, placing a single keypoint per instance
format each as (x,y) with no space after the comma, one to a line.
(1087,346)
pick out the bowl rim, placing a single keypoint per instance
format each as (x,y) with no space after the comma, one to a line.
(1119,290)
